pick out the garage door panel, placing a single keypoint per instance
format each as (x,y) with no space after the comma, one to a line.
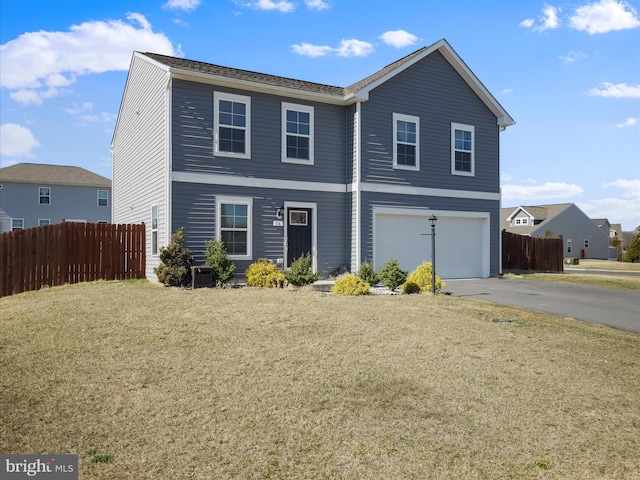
(460,243)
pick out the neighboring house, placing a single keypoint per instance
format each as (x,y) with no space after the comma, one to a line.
(32,195)
(604,225)
(277,167)
(581,236)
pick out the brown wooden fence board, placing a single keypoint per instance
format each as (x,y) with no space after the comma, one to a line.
(70,252)
(520,252)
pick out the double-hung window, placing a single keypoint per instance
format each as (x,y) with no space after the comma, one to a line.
(462,149)
(17,224)
(406,142)
(233,225)
(297,134)
(44,195)
(103,198)
(232,125)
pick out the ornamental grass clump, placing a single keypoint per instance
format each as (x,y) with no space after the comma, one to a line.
(265,274)
(422,277)
(351,285)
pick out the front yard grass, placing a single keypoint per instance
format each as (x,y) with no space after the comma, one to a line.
(148,382)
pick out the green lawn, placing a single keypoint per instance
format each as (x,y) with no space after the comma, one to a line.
(148,382)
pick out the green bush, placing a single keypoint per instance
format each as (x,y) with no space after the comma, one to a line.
(368,274)
(223,270)
(392,276)
(264,273)
(351,285)
(300,272)
(175,262)
(422,277)
(410,287)
(633,252)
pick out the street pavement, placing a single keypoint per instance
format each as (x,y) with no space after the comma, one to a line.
(610,307)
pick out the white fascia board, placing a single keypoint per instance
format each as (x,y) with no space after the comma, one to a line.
(426,192)
(207,78)
(252,182)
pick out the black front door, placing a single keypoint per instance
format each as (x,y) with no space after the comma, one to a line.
(298,233)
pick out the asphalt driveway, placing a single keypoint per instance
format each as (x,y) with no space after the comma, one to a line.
(612,308)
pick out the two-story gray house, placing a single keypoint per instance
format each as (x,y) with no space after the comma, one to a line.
(32,195)
(277,167)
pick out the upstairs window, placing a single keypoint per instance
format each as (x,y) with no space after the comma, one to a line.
(44,195)
(232,125)
(43,222)
(406,142)
(462,149)
(103,198)
(297,134)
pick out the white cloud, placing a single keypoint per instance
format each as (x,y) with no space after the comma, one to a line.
(506,91)
(631,187)
(571,57)
(312,50)
(282,6)
(549,19)
(84,114)
(38,65)
(618,90)
(347,48)
(604,16)
(16,141)
(398,38)
(625,211)
(354,48)
(186,5)
(527,22)
(550,190)
(317,4)
(629,122)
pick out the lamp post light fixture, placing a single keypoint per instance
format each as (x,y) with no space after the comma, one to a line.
(432,221)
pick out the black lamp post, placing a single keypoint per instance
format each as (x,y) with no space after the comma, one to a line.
(432,221)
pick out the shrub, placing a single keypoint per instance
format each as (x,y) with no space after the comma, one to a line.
(633,252)
(223,270)
(264,273)
(410,287)
(300,272)
(175,262)
(422,277)
(368,274)
(351,285)
(392,276)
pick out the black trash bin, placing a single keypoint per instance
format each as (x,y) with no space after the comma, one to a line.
(201,277)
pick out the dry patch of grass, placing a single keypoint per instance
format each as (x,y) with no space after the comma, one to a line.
(590,264)
(623,282)
(169,384)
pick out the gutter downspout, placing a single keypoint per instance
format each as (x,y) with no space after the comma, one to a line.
(356,201)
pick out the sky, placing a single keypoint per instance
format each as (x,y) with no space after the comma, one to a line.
(568,72)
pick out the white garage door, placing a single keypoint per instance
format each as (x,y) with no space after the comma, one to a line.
(462,242)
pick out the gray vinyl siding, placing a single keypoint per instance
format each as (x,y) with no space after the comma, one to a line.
(433,91)
(370,200)
(140,156)
(192,142)
(194,208)
(67,202)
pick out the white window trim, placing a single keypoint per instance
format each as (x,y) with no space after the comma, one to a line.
(243,201)
(41,220)
(20,228)
(217,96)
(468,128)
(98,196)
(569,245)
(406,118)
(298,108)
(48,196)
(155,230)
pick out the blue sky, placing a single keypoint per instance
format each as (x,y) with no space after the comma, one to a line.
(567,71)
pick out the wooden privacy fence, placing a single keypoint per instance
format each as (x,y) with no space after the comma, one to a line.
(70,253)
(520,252)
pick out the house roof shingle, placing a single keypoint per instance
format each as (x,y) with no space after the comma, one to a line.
(539,212)
(52,175)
